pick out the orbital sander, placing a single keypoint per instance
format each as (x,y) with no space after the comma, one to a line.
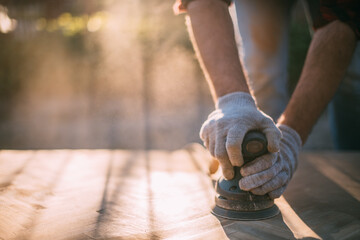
(236,204)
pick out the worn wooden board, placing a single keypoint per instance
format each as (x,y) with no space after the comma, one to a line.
(115,194)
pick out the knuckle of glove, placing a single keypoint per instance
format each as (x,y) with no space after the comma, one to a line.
(212,126)
(259,191)
(273,140)
(264,181)
(221,124)
(228,173)
(235,157)
(211,150)
(277,193)
(267,187)
(259,164)
(234,137)
(232,141)
(283,178)
(204,132)
(251,182)
(220,153)
(246,184)
(233,145)
(273,136)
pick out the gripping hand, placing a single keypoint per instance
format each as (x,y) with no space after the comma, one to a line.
(224,130)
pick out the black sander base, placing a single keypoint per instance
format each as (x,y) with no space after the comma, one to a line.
(235,204)
(246,216)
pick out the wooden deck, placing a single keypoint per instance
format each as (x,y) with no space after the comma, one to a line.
(104,194)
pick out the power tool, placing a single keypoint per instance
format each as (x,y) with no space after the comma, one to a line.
(236,204)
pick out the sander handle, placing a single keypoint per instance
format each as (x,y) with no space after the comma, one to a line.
(254,145)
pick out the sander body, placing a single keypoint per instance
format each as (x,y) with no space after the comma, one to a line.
(236,204)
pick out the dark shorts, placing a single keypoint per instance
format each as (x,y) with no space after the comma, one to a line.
(180,6)
(347,11)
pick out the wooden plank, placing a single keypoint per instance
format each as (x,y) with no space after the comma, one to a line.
(70,212)
(334,173)
(322,204)
(103,194)
(23,198)
(294,222)
(9,170)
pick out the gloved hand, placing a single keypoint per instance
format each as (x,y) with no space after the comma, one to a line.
(225,128)
(271,173)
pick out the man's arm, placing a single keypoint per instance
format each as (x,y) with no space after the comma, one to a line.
(328,57)
(214,41)
(213,37)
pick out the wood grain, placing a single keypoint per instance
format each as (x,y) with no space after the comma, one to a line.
(118,194)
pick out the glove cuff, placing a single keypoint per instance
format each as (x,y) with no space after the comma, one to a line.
(291,139)
(236,98)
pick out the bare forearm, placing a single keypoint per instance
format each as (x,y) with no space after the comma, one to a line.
(212,35)
(328,57)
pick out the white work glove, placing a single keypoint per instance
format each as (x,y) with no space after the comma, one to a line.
(224,130)
(271,173)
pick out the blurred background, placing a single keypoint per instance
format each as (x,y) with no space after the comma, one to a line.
(109,74)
